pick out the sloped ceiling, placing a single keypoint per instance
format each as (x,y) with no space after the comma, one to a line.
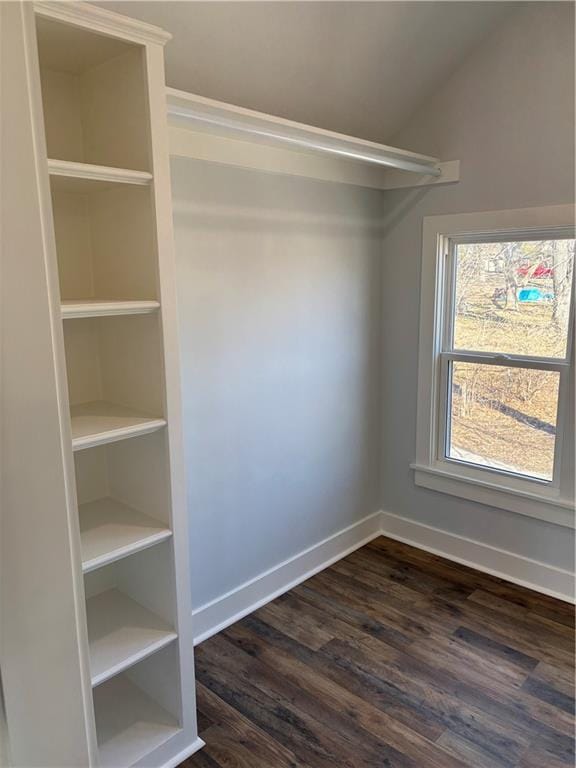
(361,68)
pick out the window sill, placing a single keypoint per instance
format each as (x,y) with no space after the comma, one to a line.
(551,509)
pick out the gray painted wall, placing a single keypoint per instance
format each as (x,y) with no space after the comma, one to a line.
(279,307)
(508,115)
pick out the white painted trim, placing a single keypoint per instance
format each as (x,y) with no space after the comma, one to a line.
(179,522)
(537,218)
(248,597)
(105,308)
(450,173)
(227,150)
(200,113)
(261,157)
(550,503)
(104,173)
(216,615)
(114,435)
(101,20)
(532,574)
(552,510)
(205,129)
(40,437)
(196,745)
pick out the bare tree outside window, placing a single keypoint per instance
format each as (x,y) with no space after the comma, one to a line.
(510,299)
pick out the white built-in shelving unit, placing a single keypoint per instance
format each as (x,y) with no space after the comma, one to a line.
(123,683)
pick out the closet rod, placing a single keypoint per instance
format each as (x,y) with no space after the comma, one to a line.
(192,109)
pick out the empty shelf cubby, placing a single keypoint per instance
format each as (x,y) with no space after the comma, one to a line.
(138,710)
(104,239)
(94,97)
(123,498)
(115,373)
(130,611)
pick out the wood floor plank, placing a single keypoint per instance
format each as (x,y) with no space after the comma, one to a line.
(235,750)
(371,719)
(543,605)
(558,678)
(495,648)
(560,615)
(539,757)
(349,566)
(372,602)
(301,626)
(355,636)
(242,729)
(362,685)
(321,731)
(471,754)
(279,722)
(414,575)
(552,633)
(549,694)
(496,603)
(468,664)
(392,658)
(400,680)
(558,624)
(355,617)
(522,635)
(517,707)
(201,759)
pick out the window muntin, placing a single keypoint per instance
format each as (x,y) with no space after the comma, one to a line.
(506,339)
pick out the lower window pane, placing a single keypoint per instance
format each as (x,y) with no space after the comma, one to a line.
(503,418)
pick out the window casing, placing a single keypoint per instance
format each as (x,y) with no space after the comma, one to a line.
(546,497)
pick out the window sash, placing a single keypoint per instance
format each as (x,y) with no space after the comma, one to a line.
(444,416)
(447,297)
(509,361)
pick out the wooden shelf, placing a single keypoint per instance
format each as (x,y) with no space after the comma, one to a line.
(73,308)
(82,177)
(110,530)
(128,723)
(121,633)
(100,422)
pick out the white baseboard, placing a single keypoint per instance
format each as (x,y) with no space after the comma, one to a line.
(239,602)
(483,557)
(185,754)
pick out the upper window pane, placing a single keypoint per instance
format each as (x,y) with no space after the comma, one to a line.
(513,297)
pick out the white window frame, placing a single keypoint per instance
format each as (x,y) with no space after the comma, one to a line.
(551,501)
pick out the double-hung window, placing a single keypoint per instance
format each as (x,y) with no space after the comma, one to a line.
(496,365)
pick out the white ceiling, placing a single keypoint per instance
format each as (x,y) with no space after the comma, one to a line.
(357,67)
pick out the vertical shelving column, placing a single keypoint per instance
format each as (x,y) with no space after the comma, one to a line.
(104,115)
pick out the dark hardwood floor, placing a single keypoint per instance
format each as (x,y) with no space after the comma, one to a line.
(392,657)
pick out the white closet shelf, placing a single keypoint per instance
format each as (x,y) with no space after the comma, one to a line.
(73,308)
(100,422)
(208,130)
(111,530)
(121,633)
(82,177)
(129,724)
(199,113)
